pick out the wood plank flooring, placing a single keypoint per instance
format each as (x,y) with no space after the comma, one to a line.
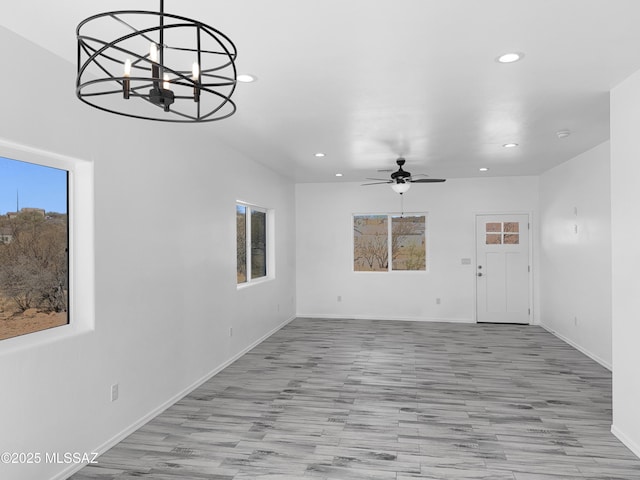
(381,400)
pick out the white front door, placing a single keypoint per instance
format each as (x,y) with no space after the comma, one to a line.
(502,268)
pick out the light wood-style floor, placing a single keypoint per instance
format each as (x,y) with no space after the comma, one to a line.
(355,399)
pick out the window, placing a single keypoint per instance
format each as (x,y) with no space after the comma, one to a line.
(34,246)
(378,238)
(251,243)
(502,233)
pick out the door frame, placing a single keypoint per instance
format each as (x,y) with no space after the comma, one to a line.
(531,257)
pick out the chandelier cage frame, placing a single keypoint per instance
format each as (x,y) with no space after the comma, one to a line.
(202,94)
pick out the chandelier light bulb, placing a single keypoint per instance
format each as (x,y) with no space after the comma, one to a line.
(195,72)
(126,83)
(165,84)
(127,68)
(153,53)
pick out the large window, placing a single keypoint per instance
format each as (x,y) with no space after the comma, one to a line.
(380,238)
(251,244)
(34,245)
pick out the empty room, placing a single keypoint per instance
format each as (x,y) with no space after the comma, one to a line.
(331,240)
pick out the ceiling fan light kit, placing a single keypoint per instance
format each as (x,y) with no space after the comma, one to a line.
(156,66)
(400,187)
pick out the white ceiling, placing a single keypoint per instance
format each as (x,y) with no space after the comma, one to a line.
(365,81)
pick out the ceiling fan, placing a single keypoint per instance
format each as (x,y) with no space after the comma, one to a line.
(401,180)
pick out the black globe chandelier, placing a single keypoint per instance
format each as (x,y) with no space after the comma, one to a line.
(160,67)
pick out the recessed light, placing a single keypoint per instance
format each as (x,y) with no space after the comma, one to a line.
(483,169)
(510,145)
(319,155)
(246,78)
(338,174)
(510,57)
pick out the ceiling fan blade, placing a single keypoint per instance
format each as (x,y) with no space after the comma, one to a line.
(376,183)
(380,179)
(429,180)
(420,175)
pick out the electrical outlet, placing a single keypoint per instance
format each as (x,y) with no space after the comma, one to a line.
(339,298)
(575,321)
(438,301)
(114,392)
(231,331)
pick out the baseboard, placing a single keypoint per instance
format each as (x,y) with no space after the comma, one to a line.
(66,473)
(631,445)
(371,317)
(593,356)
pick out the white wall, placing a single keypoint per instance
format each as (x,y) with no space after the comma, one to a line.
(625,230)
(575,252)
(324,242)
(164,270)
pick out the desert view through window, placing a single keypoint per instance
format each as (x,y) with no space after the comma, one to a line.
(34,263)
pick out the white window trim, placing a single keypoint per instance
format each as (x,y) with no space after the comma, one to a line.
(81,246)
(389,267)
(270,239)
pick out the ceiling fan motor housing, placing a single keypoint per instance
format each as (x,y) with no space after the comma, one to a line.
(400,175)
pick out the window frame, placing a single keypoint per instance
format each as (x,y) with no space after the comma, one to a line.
(390,217)
(269,244)
(81,269)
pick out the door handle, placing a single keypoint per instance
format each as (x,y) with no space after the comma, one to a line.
(480,274)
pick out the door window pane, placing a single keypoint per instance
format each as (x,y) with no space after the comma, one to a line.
(511,227)
(494,239)
(511,239)
(494,227)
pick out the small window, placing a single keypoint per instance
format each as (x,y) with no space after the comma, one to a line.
(378,238)
(502,233)
(251,243)
(34,246)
